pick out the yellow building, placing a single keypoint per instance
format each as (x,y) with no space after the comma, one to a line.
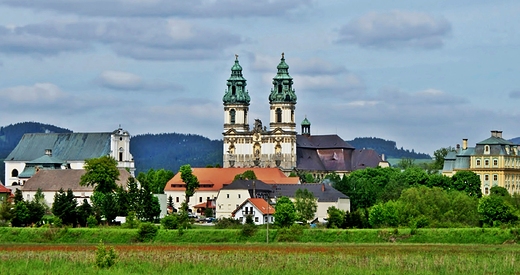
(495,160)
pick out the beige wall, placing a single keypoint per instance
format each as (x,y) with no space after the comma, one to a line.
(228,201)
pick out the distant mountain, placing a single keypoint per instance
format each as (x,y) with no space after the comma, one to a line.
(515,140)
(171,151)
(387,147)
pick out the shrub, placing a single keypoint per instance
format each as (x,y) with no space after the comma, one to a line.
(92,221)
(170,222)
(147,232)
(249,228)
(56,222)
(105,256)
(291,234)
(131,221)
(227,223)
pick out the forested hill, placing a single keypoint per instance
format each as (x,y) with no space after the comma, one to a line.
(170,151)
(387,147)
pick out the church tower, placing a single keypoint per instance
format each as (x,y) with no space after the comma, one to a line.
(236,101)
(282,100)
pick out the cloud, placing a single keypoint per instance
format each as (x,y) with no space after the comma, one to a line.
(149,39)
(396,29)
(120,80)
(164,8)
(312,66)
(39,93)
(117,80)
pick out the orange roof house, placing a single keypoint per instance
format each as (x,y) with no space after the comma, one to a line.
(258,208)
(213,179)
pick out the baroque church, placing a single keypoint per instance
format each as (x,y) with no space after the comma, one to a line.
(280,145)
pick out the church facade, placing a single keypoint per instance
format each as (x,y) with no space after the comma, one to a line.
(260,146)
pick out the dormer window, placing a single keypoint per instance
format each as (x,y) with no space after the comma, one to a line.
(486,149)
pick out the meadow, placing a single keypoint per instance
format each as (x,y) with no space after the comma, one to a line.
(278,258)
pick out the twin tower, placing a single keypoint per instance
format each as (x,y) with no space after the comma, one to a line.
(259,146)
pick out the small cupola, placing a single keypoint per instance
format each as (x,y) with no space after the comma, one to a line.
(306,127)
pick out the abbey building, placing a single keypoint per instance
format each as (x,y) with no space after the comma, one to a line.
(279,145)
(260,146)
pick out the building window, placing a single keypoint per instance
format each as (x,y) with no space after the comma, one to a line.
(227,196)
(486,191)
(200,199)
(486,177)
(14,173)
(177,199)
(239,196)
(495,177)
(232,115)
(278,115)
(256,219)
(495,162)
(233,90)
(486,162)
(478,162)
(486,149)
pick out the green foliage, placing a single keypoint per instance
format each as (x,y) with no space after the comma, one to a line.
(6,212)
(499,191)
(21,215)
(64,207)
(155,179)
(305,204)
(105,256)
(335,217)
(191,181)
(36,212)
(285,213)
(291,234)
(170,221)
(357,219)
(131,221)
(101,173)
(467,182)
(384,215)
(495,210)
(405,163)
(247,175)
(208,212)
(147,232)
(92,221)
(249,227)
(227,223)
(18,196)
(439,156)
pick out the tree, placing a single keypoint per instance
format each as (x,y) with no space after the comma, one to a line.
(499,191)
(495,210)
(439,156)
(305,204)
(83,212)
(386,214)
(468,182)
(156,179)
(21,215)
(191,181)
(150,208)
(18,196)
(285,213)
(101,173)
(64,207)
(6,211)
(335,217)
(405,163)
(247,175)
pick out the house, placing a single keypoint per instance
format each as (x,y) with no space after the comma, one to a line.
(258,208)
(231,196)
(211,180)
(325,194)
(4,192)
(279,145)
(45,151)
(51,181)
(495,160)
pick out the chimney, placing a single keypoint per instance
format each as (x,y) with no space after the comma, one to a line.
(464,144)
(493,133)
(323,187)
(48,152)
(458,147)
(383,157)
(499,134)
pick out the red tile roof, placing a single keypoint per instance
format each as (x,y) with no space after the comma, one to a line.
(213,179)
(4,189)
(262,205)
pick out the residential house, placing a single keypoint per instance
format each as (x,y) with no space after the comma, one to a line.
(495,160)
(258,208)
(44,151)
(231,196)
(211,180)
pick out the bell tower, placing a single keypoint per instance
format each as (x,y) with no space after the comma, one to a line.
(236,101)
(282,100)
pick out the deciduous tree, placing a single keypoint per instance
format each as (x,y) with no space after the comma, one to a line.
(285,213)
(191,181)
(101,173)
(305,204)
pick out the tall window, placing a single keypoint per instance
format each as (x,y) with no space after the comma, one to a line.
(495,177)
(495,162)
(279,88)
(14,173)
(486,177)
(278,115)
(486,162)
(233,90)
(478,162)
(232,115)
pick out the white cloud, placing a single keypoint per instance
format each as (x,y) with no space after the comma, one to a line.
(396,29)
(38,93)
(120,80)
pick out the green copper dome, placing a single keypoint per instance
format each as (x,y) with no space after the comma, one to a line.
(282,91)
(306,122)
(236,92)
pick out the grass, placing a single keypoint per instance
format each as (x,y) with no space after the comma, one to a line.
(265,259)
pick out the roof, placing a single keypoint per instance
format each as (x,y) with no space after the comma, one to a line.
(4,189)
(259,204)
(321,142)
(248,184)
(64,146)
(495,140)
(54,180)
(46,159)
(323,192)
(214,179)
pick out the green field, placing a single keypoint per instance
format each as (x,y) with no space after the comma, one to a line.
(265,259)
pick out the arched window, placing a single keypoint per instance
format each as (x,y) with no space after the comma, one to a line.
(486,149)
(14,173)
(486,162)
(478,162)
(232,114)
(495,162)
(278,115)
(486,177)
(121,153)
(495,177)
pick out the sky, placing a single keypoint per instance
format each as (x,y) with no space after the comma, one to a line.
(425,74)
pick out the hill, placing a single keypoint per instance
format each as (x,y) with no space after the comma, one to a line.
(387,147)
